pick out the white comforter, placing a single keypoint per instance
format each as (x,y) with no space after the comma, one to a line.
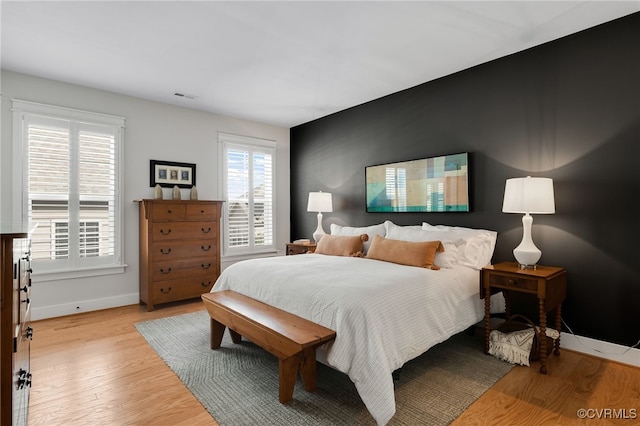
(384,314)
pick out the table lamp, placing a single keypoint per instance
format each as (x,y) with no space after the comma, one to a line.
(319,202)
(528,195)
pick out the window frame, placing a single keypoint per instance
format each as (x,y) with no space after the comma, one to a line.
(23,112)
(252,144)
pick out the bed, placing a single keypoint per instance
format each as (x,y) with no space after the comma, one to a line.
(384,313)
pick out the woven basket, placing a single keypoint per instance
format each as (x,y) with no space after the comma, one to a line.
(518,322)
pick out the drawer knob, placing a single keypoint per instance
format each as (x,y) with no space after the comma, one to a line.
(205,231)
(206,266)
(162,290)
(207,284)
(169,211)
(511,281)
(24,379)
(165,272)
(165,252)
(207,248)
(165,233)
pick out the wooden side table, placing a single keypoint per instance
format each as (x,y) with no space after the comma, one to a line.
(300,248)
(548,283)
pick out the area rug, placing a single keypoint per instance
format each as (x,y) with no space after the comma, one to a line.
(238,384)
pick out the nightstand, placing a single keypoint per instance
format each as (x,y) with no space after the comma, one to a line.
(547,283)
(300,248)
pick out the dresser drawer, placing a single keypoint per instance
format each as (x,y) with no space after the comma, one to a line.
(171,250)
(167,231)
(194,266)
(202,211)
(507,281)
(180,289)
(163,212)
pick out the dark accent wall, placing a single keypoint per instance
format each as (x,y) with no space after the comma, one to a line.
(568,110)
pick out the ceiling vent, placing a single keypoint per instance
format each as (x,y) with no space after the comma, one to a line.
(184,95)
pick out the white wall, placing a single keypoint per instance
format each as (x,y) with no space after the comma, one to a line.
(153,131)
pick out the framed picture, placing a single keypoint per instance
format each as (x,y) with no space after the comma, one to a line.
(436,184)
(169,174)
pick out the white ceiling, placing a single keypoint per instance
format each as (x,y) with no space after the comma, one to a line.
(283,63)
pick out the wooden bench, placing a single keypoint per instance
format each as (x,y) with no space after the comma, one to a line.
(292,339)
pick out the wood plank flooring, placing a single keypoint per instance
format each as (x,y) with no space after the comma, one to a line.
(95,369)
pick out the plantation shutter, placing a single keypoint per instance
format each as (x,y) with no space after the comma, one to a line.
(72,181)
(249,192)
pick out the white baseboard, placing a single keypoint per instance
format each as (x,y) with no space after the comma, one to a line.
(600,349)
(83,306)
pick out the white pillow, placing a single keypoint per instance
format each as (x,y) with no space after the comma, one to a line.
(351,231)
(478,247)
(445,259)
(390,226)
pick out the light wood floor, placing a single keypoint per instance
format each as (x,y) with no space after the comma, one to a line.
(96,369)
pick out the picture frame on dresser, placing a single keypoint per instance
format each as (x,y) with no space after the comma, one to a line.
(168,174)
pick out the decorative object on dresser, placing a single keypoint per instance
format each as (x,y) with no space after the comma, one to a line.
(547,283)
(300,247)
(175,195)
(528,195)
(319,202)
(16,332)
(179,249)
(157,192)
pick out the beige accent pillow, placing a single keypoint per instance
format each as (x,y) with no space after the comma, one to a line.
(339,245)
(410,253)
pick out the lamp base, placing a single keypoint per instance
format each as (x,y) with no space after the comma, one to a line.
(319,232)
(527,254)
(527,267)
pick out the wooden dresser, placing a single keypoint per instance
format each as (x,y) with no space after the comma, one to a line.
(15,330)
(179,249)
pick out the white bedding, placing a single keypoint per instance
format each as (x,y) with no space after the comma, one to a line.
(384,314)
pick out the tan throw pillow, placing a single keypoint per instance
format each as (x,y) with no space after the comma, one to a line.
(338,245)
(410,253)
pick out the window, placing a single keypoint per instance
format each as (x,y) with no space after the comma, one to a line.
(70,162)
(248,187)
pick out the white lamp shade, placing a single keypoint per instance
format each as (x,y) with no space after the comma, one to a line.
(529,195)
(320,202)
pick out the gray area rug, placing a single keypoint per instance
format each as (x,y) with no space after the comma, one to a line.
(238,384)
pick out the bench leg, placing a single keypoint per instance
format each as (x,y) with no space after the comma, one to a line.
(304,361)
(235,336)
(217,331)
(308,369)
(287,372)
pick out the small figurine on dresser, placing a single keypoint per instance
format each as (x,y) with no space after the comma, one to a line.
(157,192)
